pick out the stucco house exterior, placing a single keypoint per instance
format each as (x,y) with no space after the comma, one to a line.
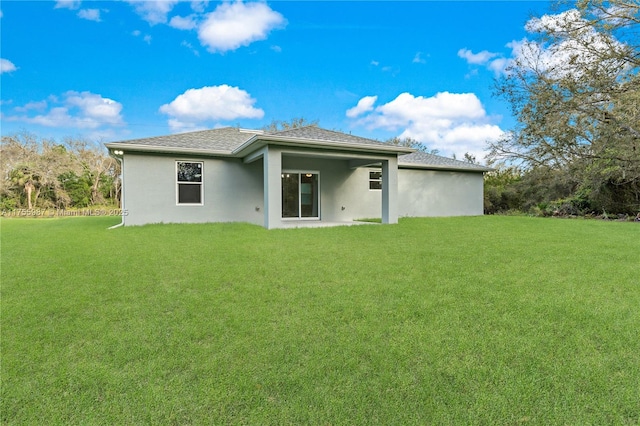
(295,176)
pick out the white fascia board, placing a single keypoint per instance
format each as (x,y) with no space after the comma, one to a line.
(255,155)
(165,149)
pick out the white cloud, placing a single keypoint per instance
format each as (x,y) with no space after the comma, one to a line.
(499,65)
(146,37)
(232,25)
(67,4)
(385,68)
(210,103)
(566,57)
(199,6)
(35,105)
(184,22)
(95,107)
(6,66)
(364,105)
(80,110)
(476,58)
(190,47)
(569,20)
(580,49)
(442,105)
(89,14)
(179,126)
(418,59)
(154,12)
(449,122)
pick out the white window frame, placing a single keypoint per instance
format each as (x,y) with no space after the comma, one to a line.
(372,179)
(178,183)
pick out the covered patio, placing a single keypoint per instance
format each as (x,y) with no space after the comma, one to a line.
(279,162)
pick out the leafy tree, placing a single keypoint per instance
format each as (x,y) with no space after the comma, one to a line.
(575,91)
(411,143)
(541,187)
(294,123)
(96,166)
(500,190)
(53,160)
(470,158)
(77,188)
(32,166)
(26,177)
(17,153)
(43,173)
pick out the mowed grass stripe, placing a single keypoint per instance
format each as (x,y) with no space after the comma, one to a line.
(432,321)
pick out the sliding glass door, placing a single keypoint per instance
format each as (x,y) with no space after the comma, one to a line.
(300,195)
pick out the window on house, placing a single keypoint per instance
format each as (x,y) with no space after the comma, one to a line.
(375,180)
(189,182)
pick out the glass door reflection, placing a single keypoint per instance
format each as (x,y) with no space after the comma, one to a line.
(300,195)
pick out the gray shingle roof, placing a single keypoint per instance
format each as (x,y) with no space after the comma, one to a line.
(227,139)
(224,139)
(317,133)
(425,160)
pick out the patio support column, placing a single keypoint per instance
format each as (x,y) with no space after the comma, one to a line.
(390,190)
(272,187)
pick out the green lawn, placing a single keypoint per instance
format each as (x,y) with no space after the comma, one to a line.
(485,320)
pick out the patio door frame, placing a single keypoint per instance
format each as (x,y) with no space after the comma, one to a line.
(300,173)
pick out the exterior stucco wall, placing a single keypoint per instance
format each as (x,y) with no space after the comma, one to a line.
(425,193)
(360,202)
(233,191)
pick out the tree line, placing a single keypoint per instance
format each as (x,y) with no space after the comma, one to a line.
(42,173)
(574,90)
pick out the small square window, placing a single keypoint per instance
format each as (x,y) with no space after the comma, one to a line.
(189,182)
(375,180)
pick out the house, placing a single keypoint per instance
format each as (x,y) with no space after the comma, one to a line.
(276,179)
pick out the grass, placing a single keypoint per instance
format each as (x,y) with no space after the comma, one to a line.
(486,320)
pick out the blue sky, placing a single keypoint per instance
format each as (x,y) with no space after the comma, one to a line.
(110,71)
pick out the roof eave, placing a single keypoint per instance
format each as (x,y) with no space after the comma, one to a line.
(165,149)
(247,147)
(477,169)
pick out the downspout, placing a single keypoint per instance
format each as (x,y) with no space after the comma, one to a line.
(118,156)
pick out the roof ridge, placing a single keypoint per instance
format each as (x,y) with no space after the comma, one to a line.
(338,132)
(295,128)
(202,130)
